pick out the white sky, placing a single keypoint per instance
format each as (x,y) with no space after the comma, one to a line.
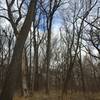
(57,22)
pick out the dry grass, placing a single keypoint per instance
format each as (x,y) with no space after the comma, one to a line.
(53,95)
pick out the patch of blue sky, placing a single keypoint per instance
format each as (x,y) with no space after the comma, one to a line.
(56,24)
(42,24)
(57,20)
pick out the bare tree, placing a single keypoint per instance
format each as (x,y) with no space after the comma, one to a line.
(74,36)
(14,66)
(49,13)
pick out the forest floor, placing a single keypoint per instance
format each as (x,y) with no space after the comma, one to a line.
(57,96)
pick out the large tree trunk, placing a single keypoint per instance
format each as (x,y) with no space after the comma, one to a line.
(14,67)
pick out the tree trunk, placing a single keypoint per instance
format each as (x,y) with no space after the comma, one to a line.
(12,74)
(48,52)
(36,78)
